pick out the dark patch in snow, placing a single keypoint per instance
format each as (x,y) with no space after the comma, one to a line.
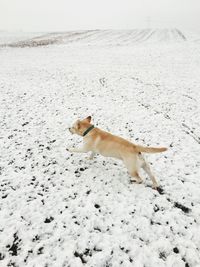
(12,264)
(80,255)
(83,169)
(1,256)
(182,207)
(176,250)
(130,259)
(162,255)
(98,250)
(52,141)
(15,245)
(87,252)
(77,172)
(29,252)
(25,123)
(48,220)
(88,192)
(191,133)
(36,238)
(156,208)
(97,229)
(40,250)
(152,222)
(97,206)
(186,263)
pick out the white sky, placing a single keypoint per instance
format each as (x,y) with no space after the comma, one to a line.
(61,15)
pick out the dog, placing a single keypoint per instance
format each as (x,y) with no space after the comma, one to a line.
(97,141)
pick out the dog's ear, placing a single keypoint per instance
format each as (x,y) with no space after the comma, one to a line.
(89,118)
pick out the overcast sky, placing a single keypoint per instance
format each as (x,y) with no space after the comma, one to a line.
(61,15)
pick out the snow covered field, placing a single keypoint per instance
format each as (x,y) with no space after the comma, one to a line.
(60,209)
(10,37)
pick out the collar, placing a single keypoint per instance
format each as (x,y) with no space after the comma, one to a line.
(88,130)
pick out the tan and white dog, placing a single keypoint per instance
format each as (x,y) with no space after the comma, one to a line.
(109,145)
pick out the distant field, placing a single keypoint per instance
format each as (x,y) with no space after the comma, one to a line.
(12,37)
(99,37)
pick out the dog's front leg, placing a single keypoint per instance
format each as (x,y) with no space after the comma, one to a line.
(91,155)
(78,150)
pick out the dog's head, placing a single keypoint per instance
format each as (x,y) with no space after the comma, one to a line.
(80,126)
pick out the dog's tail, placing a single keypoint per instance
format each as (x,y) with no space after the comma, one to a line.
(150,149)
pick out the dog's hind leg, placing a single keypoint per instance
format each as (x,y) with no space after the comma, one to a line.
(131,165)
(147,169)
(136,177)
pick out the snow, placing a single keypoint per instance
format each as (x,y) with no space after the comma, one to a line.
(105,37)
(10,37)
(60,209)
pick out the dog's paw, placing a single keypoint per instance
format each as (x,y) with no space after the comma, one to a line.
(135,181)
(90,158)
(155,186)
(160,190)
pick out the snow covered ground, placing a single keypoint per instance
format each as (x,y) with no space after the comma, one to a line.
(60,209)
(10,37)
